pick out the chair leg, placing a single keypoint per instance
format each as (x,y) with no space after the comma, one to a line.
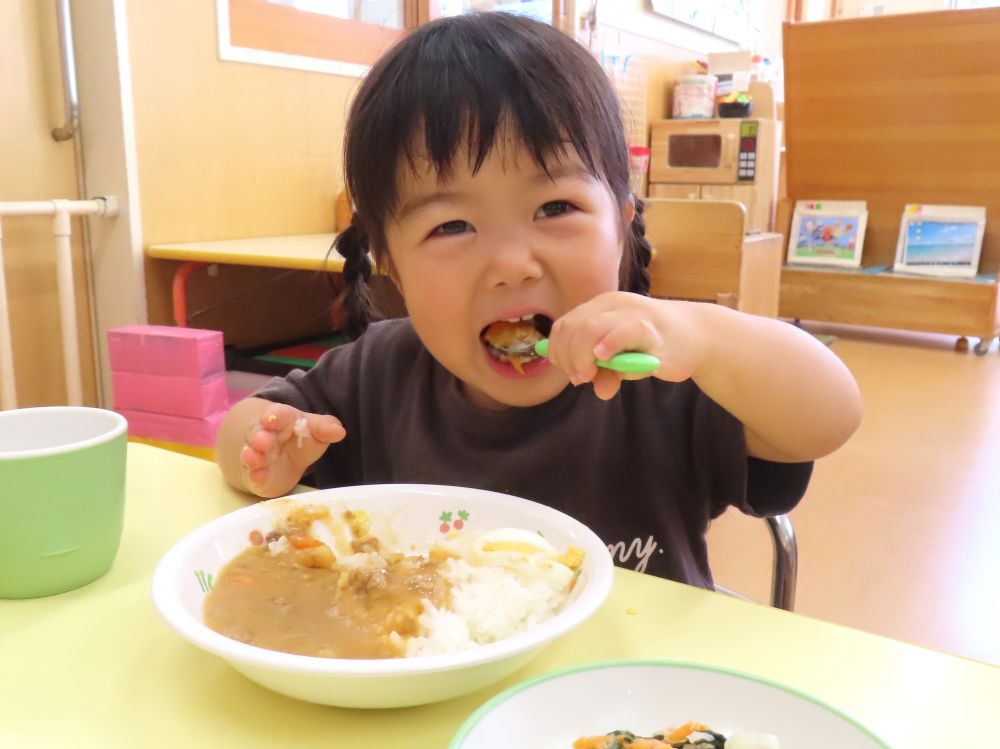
(786,562)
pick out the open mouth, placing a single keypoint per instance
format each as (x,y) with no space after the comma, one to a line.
(513,340)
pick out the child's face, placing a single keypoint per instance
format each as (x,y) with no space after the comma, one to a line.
(506,242)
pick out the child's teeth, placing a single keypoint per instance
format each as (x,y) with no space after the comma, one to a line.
(513,319)
(528,318)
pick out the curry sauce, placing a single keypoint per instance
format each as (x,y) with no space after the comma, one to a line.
(293,595)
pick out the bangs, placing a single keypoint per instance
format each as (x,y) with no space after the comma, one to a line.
(460,87)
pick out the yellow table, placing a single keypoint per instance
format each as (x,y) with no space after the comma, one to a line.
(302,252)
(97,668)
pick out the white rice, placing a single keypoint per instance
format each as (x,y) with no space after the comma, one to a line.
(487,604)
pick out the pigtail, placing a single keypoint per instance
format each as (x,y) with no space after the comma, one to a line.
(352,245)
(639,253)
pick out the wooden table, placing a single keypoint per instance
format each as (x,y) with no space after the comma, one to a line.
(302,252)
(96,667)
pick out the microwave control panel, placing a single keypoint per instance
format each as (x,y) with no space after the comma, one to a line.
(747,165)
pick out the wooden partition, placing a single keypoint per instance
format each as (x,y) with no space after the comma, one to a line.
(895,110)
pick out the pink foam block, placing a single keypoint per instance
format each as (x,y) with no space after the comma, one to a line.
(238,394)
(197,432)
(194,397)
(167,351)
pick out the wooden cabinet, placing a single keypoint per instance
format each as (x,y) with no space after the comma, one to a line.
(757,205)
(680,192)
(702,253)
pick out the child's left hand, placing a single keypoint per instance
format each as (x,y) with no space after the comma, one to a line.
(619,321)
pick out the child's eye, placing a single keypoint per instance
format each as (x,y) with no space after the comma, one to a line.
(451,227)
(555,208)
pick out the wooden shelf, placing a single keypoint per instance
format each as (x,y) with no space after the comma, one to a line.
(958,306)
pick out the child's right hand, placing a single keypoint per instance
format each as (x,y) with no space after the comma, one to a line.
(274,457)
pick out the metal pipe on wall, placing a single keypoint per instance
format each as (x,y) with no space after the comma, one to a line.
(70,97)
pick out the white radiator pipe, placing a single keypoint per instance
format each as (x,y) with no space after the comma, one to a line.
(61,230)
(60,210)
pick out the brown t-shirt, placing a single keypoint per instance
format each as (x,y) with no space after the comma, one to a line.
(646,470)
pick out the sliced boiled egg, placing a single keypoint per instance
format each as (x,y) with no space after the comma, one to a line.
(527,554)
(514,541)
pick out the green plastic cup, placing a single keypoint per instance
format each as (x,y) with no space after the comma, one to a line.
(62,497)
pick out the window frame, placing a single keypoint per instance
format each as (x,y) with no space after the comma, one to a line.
(263,33)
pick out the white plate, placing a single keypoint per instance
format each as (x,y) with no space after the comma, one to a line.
(416,513)
(552,710)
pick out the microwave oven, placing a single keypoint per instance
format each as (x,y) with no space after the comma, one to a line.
(720,159)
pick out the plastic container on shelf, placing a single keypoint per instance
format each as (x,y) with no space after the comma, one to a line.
(638,165)
(694,97)
(735,105)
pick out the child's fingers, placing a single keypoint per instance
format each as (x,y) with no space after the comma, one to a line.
(258,478)
(325,429)
(278,417)
(607,384)
(561,341)
(634,334)
(577,342)
(263,441)
(252,459)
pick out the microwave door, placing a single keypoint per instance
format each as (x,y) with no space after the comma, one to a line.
(707,157)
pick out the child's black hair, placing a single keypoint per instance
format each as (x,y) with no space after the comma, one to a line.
(458,81)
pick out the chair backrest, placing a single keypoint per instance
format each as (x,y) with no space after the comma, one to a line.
(698,246)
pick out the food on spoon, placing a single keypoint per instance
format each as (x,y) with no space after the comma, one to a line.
(513,334)
(514,340)
(325,584)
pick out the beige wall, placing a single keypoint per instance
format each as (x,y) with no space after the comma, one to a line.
(35,167)
(772,16)
(856,8)
(637,17)
(228,150)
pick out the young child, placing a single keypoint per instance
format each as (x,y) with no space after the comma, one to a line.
(487,162)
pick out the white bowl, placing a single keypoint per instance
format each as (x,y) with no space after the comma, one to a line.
(552,710)
(185,572)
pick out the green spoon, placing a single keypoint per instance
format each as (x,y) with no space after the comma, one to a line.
(630,362)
